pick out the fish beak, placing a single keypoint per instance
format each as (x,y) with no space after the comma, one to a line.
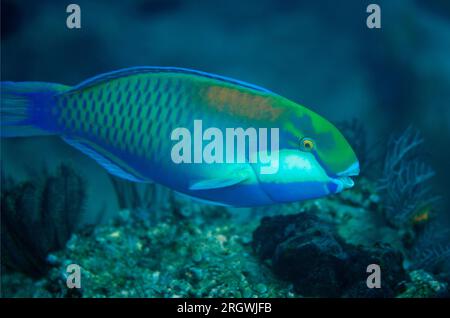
(343,183)
(343,180)
(353,170)
(346,182)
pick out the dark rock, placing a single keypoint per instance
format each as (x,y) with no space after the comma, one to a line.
(308,252)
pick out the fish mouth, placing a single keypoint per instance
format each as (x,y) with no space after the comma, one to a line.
(344,180)
(341,183)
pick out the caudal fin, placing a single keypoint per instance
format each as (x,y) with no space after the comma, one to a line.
(25,108)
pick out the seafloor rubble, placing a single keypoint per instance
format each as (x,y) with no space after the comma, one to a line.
(317,248)
(131,257)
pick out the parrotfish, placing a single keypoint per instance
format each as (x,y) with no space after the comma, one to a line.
(126,119)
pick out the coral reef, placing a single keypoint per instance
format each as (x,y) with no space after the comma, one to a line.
(130,257)
(316,248)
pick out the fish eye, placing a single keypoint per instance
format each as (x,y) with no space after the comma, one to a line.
(307,144)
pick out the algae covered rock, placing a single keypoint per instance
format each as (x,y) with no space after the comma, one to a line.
(307,251)
(424,285)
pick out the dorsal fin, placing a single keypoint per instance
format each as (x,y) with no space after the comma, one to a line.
(156,69)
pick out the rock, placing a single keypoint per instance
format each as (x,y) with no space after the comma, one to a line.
(308,252)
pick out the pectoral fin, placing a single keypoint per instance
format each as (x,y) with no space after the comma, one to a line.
(217,183)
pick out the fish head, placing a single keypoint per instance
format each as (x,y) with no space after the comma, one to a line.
(314,160)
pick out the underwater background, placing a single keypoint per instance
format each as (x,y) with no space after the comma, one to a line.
(387,89)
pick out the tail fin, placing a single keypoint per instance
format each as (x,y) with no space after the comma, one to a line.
(25,108)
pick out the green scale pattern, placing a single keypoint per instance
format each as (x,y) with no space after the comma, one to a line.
(134,114)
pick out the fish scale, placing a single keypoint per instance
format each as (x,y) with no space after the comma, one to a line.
(162,109)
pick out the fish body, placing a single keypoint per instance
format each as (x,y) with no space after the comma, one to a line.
(127,121)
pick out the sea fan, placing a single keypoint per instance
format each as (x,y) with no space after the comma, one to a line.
(404,184)
(39,217)
(431,250)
